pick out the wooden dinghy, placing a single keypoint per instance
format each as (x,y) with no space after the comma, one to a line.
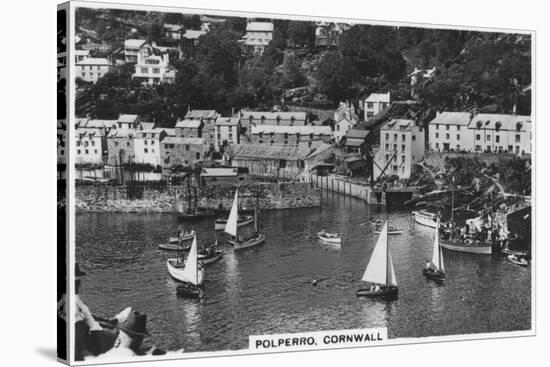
(329,237)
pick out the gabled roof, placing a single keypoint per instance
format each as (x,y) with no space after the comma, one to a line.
(257,115)
(259,27)
(398,125)
(190,124)
(452,118)
(81,52)
(96,124)
(272,152)
(378,97)
(146,125)
(227,121)
(201,114)
(356,134)
(134,43)
(121,133)
(126,119)
(94,61)
(282,129)
(506,122)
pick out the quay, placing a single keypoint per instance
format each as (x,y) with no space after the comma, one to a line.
(387,196)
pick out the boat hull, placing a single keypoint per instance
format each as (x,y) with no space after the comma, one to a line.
(238,245)
(388,293)
(513,260)
(221,226)
(178,274)
(482,248)
(425,220)
(196,215)
(186,237)
(390,232)
(335,240)
(205,260)
(434,275)
(173,247)
(188,291)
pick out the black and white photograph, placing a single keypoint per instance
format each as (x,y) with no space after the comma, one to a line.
(258,183)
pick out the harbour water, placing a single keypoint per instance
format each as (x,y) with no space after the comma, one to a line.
(268,289)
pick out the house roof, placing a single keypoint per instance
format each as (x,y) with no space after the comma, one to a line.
(507,122)
(192,34)
(451,118)
(134,43)
(169,131)
(299,116)
(398,125)
(81,52)
(184,141)
(281,129)
(259,27)
(121,133)
(354,143)
(147,125)
(90,132)
(378,97)
(219,172)
(268,152)
(190,124)
(172,27)
(94,61)
(227,121)
(95,124)
(127,118)
(357,134)
(201,114)
(141,132)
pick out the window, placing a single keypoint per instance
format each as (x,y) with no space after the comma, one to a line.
(488,137)
(394,137)
(387,147)
(497,138)
(436,145)
(478,148)
(127,143)
(457,127)
(93,143)
(395,147)
(447,127)
(518,138)
(414,137)
(95,151)
(144,70)
(187,147)
(87,151)
(198,155)
(458,147)
(78,151)
(156,71)
(436,135)
(78,143)
(261,135)
(402,169)
(86,143)
(447,135)
(457,136)
(337,127)
(310,136)
(387,157)
(437,126)
(152,142)
(370,105)
(271,142)
(510,148)
(230,136)
(145,142)
(403,137)
(403,147)
(478,137)
(152,150)
(286,135)
(402,158)
(286,142)
(116,143)
(370,114)
(153,135)
(387,136)
(145,150)
(261,141)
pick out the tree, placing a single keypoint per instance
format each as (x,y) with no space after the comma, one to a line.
(301,34)
(334,76)
(293,76)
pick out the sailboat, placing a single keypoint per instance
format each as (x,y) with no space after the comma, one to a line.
(437,272)
(190,273)
(240,242)
(379,272)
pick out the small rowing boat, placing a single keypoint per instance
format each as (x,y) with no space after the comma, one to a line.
(182,236)
(329,237)
(391,231)
(425,218)
(173,247)
(210,255)
(518,260)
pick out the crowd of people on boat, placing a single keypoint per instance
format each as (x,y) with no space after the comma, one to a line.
(484,229)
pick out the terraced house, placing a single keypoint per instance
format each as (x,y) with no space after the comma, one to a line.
(147,146)
(302,136)
(227,132)
(89,146)
(251,118)
(208,119)
(181,151)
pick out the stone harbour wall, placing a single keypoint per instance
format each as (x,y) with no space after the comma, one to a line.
(105,198)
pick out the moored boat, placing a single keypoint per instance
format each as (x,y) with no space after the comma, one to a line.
(174,247)
(518,260)
(425,218)
(183,236)
(196,213)
(379,272)
(329,237)
(210,255)
(239,241)
(188,271)
(375,221)
(391,231)
(435,269)
(242,221)
(474,247)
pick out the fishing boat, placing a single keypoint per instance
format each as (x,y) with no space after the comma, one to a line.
(189,272)
(469,245)
(329,237)
(375,221)
(183,236)
(210,255)
(518,260)
(425,218)
(391,231)
(242,221)
(196,213)
(379,272)
(174,247)
(437,269)
(239,241)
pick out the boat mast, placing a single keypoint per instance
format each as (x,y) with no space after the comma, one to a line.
(452,201)
(387,254)
(256,213)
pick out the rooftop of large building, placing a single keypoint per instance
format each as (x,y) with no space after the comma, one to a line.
(201,114)
(188,124)
(269,152)
(302,130)
(259,27)
(398,125)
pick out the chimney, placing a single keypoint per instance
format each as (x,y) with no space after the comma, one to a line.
(514,109)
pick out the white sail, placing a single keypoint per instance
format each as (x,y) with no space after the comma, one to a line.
(437,256)
(377,267)
(191,271)
(231,225)
(391,273)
